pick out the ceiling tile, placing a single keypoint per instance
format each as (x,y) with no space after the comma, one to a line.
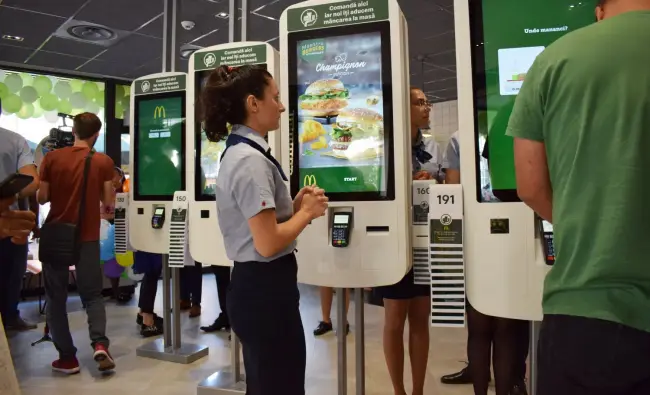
(117,69)
(121,14)
(71,47)
(154,29)
(151,67)
(9,53)
(61,8)
(34,28)
(57,61)
(134,50)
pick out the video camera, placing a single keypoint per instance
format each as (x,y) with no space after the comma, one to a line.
(61,136)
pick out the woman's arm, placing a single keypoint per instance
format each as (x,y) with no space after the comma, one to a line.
(270,237)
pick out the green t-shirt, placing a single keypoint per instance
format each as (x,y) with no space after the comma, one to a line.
(587,97)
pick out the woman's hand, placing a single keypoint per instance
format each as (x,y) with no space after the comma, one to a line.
(314,204)
(422,175)
(297,202)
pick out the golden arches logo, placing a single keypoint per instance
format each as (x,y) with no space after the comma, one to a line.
(309,180)
(159,112)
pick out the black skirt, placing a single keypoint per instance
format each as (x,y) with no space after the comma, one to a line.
(404,289)
(263,306)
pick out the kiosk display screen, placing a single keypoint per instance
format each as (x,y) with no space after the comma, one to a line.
(502,55)
(159,146)
(208,154)
(340,103)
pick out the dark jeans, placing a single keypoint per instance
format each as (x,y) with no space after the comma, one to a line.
(89,284)
(222,275)
(263,305)
(13,264)
(585,356)
(192,283)
(149,284)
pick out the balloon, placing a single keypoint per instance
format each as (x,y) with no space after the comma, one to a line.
(112,269)
(78,100)
(119,110)
(42,85)
(76,85)
(14,83)
(38,111)
(126,101)
(120,91)
(125,260)
(92,107)
(28,94)
(28,80)
(2,75)
(26,111)
(135,277)
(107,246)
(99,99)
(126,186)
(49,102)
(12,103)
(104,226)
(65,107)
(52,116)
(63,89)
(90,90)
(4,91)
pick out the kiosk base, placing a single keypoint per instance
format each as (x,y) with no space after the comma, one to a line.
(186,354)
(222,383)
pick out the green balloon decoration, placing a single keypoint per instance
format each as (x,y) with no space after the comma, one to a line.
(4,91)
(63,89)
(76,111)
(26,111)
(28,80)
(12,103)
(119,110)
(14,83)
(90,90)
(78,100)
(38,111)
(42,85)
(65,107)
(120,91)
(49,102)
(126,101)
(99,99)
(76,85)
(28,94)
(92,107)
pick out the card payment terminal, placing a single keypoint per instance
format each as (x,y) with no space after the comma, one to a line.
(341,226)
(158,219)
(546,230)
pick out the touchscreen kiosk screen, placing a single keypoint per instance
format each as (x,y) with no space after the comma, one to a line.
(160,170)
(502,56)
(208,153)
(343,136)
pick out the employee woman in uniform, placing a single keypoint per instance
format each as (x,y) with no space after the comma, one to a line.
(260,224)
(406,299)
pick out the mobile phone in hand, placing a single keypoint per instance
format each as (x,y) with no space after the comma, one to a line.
(12,185)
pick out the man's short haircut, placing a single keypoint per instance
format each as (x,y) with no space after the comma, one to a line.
(86,124)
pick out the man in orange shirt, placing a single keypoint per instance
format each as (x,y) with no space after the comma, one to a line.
(61,175)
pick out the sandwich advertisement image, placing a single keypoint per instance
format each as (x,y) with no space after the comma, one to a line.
(340,113)
(159,146)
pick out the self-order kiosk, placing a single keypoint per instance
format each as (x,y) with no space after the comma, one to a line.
(206,242)
(346,88)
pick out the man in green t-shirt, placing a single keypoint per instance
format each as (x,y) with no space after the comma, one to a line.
(581,126)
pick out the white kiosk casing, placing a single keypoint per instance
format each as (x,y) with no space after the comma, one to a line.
(141,209)
(505,272)
(206,241)
(380,245)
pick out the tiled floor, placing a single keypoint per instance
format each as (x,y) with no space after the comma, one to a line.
(136,375)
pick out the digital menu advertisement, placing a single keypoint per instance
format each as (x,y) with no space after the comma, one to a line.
(341,138)
(160,146)
(507,51)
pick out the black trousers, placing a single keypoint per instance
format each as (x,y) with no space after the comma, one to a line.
(222,275)
(263,305)
(192,283)
(13,264)
(585,356)
(149,285)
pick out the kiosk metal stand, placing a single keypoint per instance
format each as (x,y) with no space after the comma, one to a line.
(535,326)
(341,339)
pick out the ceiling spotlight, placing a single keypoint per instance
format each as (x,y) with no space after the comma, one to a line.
(12,38)
(222,15)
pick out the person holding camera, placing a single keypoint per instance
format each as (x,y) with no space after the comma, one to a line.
(74,180)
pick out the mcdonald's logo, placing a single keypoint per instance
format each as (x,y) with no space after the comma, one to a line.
(309,180)
(159,112)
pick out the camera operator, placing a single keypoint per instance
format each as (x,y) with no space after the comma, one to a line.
(15,157)
(62,175)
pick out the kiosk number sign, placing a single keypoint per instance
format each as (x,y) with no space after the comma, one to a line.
(337,14)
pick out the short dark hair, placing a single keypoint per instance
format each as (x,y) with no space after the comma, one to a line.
(223,99)
(85,125)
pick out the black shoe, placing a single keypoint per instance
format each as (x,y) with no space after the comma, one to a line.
(519,389)
(19,324)
(150,331)
(221,323)
(323,328)
(347,329)
(158,321)
(461,377)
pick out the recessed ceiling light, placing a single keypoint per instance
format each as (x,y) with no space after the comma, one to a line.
(222,15)
(12,38)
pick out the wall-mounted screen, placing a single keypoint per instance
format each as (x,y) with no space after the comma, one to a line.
(502,55)
(208,154)
(340,104)
(159,146)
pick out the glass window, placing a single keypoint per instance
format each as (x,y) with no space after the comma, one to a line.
(122,101)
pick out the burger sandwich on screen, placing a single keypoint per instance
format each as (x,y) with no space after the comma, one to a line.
(324,98)
(360,127)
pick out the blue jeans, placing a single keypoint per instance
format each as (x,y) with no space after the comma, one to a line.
(13,264)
